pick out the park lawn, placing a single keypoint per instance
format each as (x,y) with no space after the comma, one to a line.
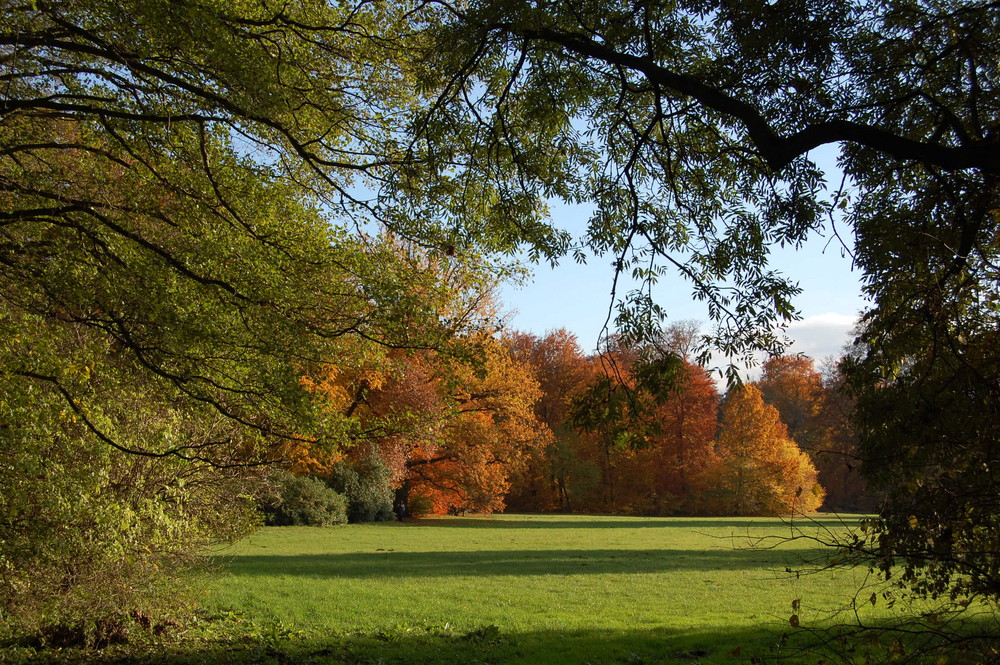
(528,589)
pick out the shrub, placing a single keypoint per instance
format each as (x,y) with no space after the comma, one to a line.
(420,506)
(90,534)
(303,501)
(367,484)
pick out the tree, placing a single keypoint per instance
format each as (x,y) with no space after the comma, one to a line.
(817,412)
(486,439)
(559,475)
(793,386)
(838,459)
(700,121)
(926,385)
(684,450)
(174,233)
(760,471)
(689,128)
(619,409)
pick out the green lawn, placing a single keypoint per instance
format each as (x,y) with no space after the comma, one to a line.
(524,589)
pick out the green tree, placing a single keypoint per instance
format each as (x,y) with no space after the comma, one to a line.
(180,243)
(690,129)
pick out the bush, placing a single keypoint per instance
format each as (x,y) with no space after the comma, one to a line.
(90,534)
(367,484)
(420,506)
(303,501)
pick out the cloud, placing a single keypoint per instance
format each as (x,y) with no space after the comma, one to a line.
(821,335)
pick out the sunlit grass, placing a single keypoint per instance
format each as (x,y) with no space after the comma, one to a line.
(534,589)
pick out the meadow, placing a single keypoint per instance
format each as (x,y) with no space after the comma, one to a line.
(528,589)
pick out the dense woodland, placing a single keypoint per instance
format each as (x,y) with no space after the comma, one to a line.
(536,424)
(236,236)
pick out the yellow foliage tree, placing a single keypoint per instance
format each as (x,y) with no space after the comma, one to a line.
(759,469)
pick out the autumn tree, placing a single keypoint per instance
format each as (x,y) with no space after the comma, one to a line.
(449,411)
(684,448)
(487,436)
(817,412)
(838,458)
(561,474)
(760,471)
(619,409)
(792,385)
(614,414)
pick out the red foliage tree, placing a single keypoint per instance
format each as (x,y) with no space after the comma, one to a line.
(560,475)
(685,448)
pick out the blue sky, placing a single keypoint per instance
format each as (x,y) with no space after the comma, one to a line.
(577,297)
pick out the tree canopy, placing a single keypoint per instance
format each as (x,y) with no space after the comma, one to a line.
(181,247)
(690,129)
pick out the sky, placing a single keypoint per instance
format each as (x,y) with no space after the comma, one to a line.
(577,297)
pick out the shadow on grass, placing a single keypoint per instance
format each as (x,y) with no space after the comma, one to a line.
(607,522)
(231,641)
(446,645)
(391,563)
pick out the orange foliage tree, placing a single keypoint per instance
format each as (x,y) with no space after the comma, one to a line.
(760,471)
(562,474)
(452,425)
(649,411)
(817,413)
(488,435)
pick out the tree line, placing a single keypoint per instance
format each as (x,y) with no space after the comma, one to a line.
(536,424)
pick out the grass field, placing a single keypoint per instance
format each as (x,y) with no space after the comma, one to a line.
(525,589)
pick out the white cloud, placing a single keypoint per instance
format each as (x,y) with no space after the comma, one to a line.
(821,335)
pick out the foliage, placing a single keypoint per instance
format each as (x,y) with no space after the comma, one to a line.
(302,501)
(91,529)
(420,506)
(169,180)
(699,121)
(688,420)
(818,412)
(366,485)
(558,475)
(793,386)
(760,471)
(487,438)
